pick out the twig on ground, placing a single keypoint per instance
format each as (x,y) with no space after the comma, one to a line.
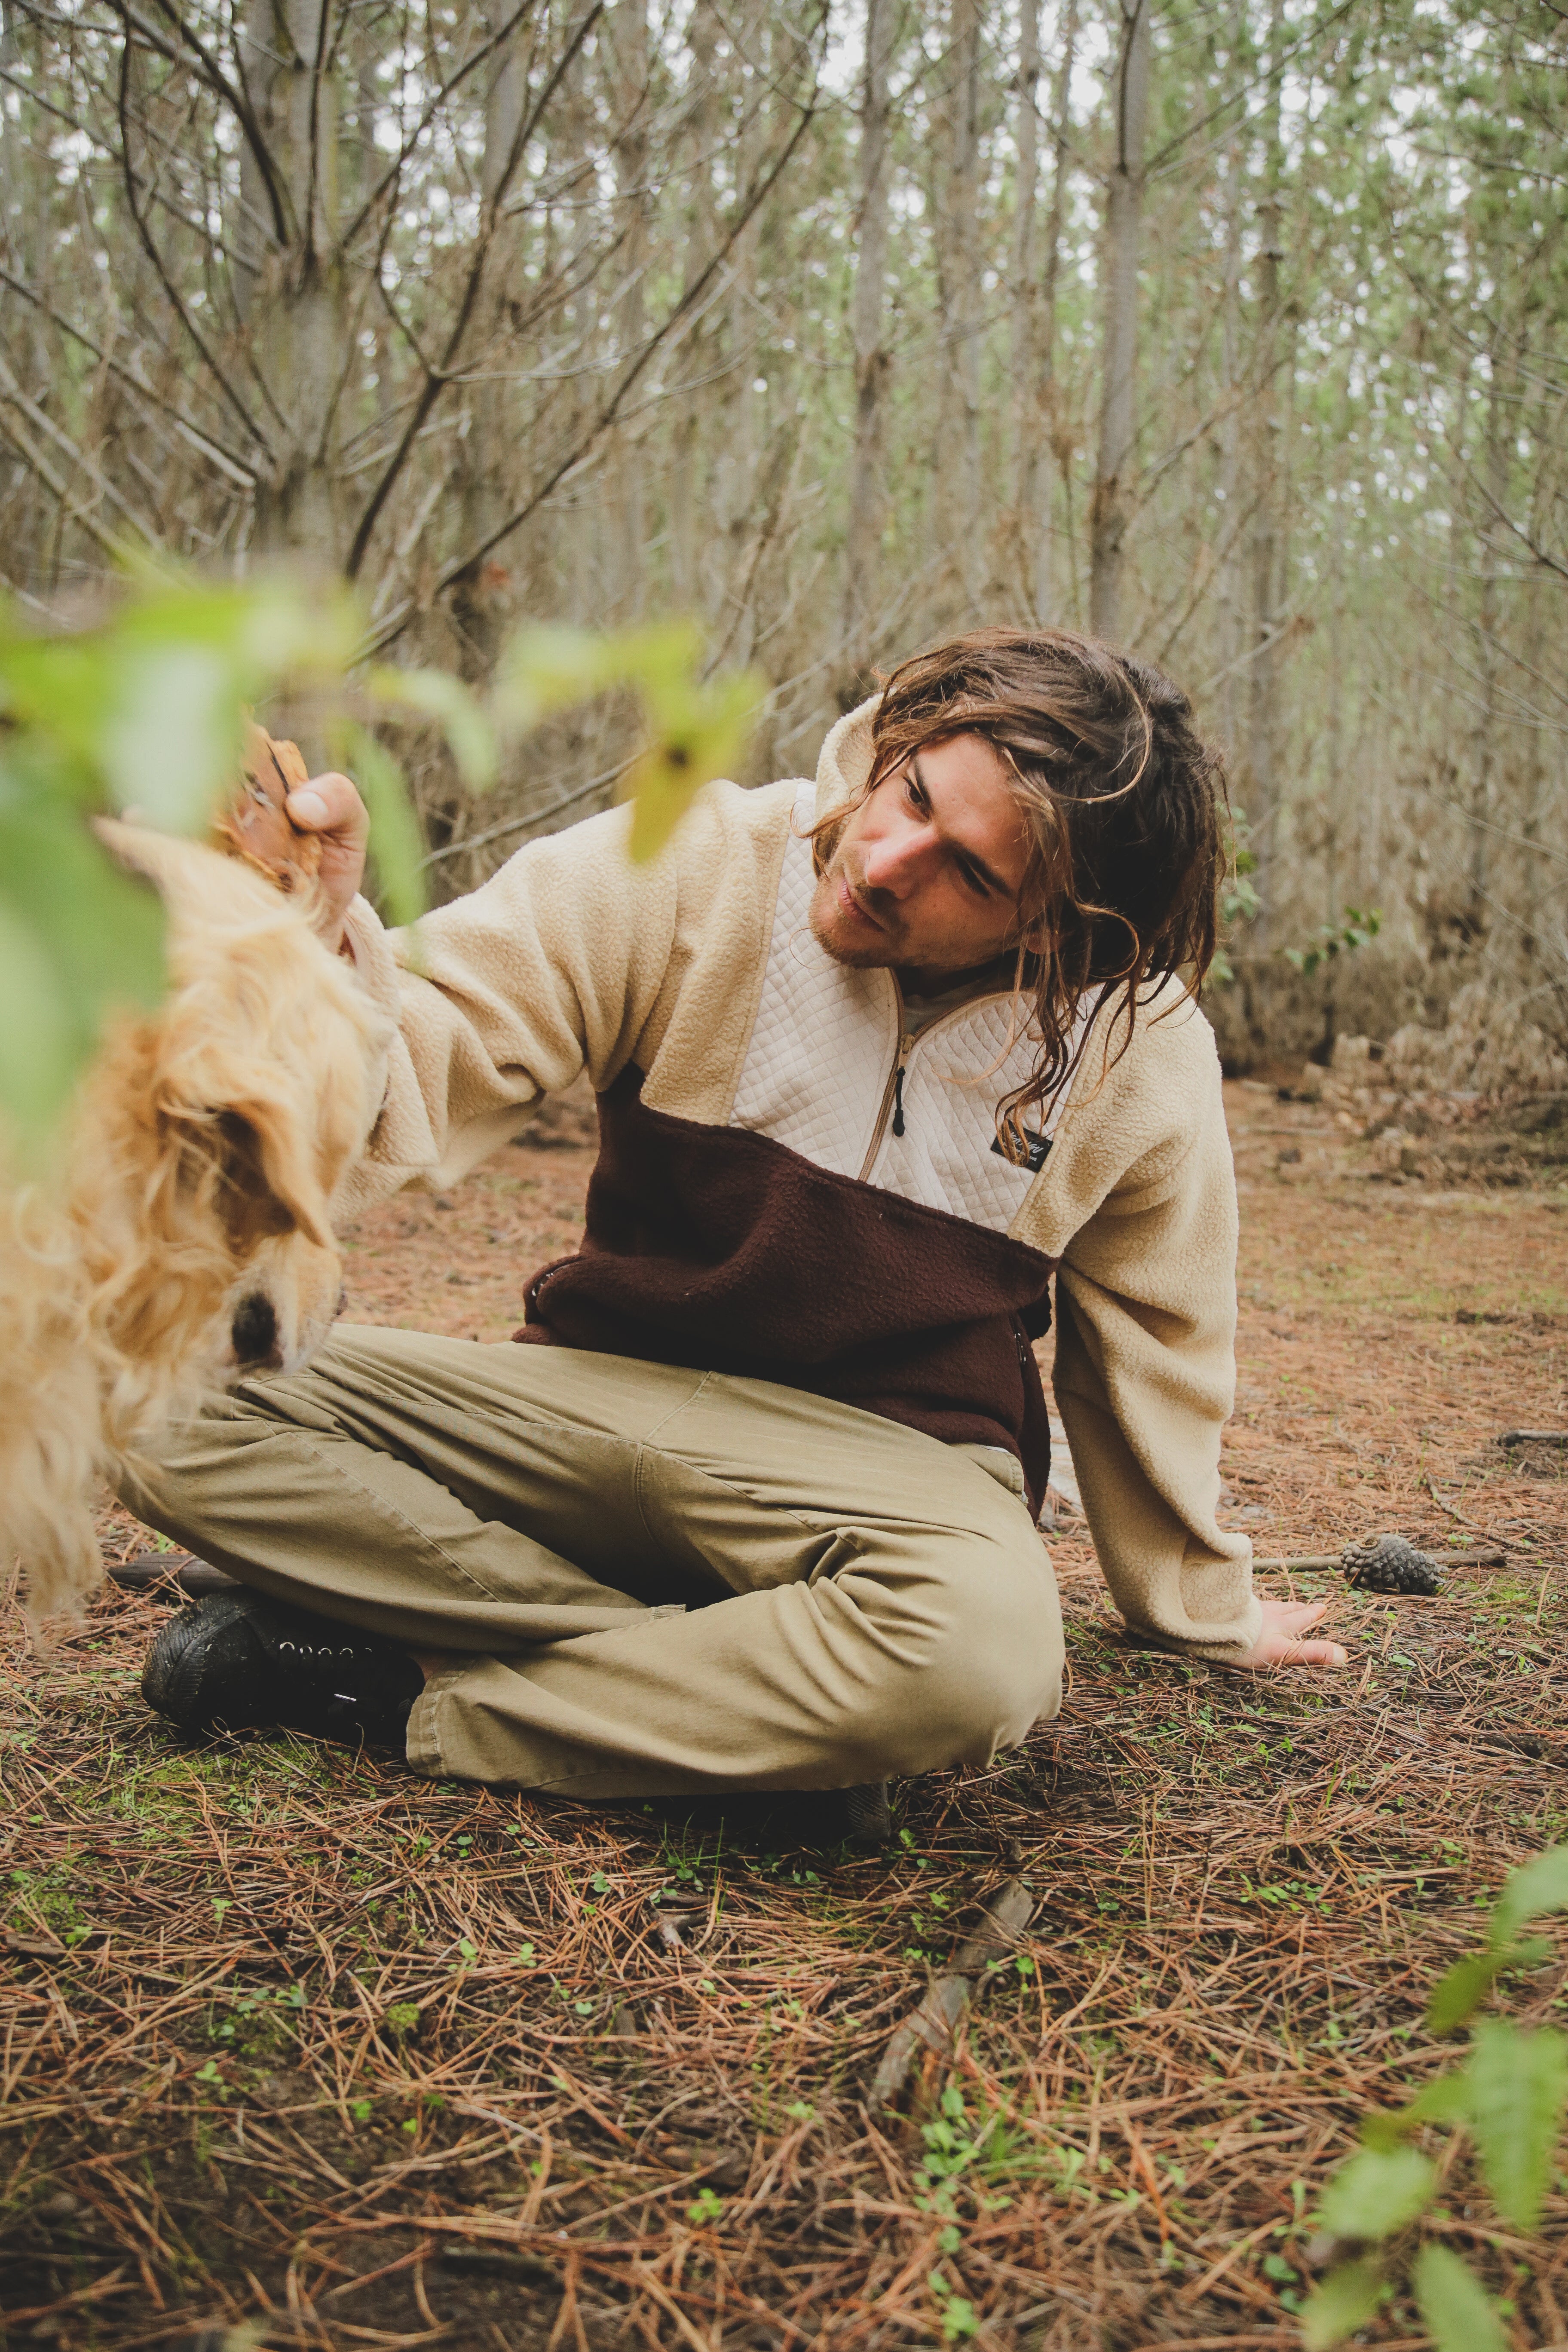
(935,2021)
(1492,1556)
(145,1571)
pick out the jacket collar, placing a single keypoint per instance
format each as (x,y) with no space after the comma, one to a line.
(844,761)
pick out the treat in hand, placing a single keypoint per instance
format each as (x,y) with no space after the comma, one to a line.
(257,825)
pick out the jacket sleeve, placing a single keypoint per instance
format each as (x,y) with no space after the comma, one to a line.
(1145,1215)
(550,968)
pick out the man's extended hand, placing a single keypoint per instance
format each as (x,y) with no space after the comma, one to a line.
(331,806)
(1279,1643)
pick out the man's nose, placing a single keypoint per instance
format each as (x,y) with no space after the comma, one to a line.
(895,861)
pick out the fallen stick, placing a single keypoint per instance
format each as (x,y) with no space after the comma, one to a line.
(1493,1557)
(1533,1437)
(933,2024)
(195,1577)
(508,2260)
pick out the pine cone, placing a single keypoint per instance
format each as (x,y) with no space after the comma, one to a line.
(1389,1564)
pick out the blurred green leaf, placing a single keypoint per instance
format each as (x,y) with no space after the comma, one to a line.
(1345,2300)
(395,837)
(699,732)
(170,739)
(435,694)
(1460,1991)
(1445,2100)
(81,938)
(143,711)
(698,728)
(1455,2305)
(1378,2192)
(1537,1888)
(40,1053)
(547,668)
(1518,2091)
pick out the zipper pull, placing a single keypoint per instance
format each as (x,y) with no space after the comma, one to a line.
(904,1045)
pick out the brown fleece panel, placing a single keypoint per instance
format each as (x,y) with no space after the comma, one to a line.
(714,1247)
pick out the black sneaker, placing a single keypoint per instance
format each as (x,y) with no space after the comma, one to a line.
(867,1815)
(239,1662)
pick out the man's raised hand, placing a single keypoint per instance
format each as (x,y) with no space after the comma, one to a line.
(1279,1642)
(330,807)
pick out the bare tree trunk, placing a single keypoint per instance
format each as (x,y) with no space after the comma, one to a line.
(481,598)
(13,136)
(1024,356)
(1263,732)
(1228,618)
(1536,790)
(867,311)
(626,529)
(1038,571)
(958,453)
(736,473)
(1483,788)
(702,37)
(294,307)
(1118,408)
(252,230)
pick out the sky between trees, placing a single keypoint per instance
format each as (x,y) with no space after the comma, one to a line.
(1236,332)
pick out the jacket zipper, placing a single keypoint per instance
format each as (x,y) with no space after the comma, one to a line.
(894,1092)
(892,1099)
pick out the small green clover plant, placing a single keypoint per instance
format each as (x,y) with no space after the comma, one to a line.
(1510,2095)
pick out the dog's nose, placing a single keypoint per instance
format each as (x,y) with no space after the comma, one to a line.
(254,1331)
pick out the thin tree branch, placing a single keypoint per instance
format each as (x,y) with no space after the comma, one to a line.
(1239,97)
(395,621)
(234,98)
(428,115)
(11,391)
(154,256)
(106,147)
(37,463)
(318,65)
(438,377)
(228,460)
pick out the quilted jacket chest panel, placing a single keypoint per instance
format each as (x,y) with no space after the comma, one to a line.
(823,1043)
(818,1071)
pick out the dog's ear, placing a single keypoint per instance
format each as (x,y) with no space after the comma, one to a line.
(270,1178)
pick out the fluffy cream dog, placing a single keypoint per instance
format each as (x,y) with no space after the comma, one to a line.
(186,1240)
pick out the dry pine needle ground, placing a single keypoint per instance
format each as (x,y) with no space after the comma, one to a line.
(291,2039)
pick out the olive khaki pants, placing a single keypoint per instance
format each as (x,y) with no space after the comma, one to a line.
(648,1581)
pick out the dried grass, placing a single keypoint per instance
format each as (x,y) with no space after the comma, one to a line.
(220,2105)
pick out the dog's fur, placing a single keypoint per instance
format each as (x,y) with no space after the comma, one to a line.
(184,1241)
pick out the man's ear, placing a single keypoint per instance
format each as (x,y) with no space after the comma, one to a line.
(269,1174)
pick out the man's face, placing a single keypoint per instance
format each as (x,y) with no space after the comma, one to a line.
(928,869)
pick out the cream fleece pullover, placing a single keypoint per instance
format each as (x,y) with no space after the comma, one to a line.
(699,972)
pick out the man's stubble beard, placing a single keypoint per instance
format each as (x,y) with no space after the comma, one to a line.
(880,954)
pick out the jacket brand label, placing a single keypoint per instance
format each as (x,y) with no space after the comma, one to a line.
(1039,1147)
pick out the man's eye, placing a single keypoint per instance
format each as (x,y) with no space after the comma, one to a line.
(973,881)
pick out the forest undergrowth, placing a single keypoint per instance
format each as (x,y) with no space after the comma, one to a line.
(293,2042)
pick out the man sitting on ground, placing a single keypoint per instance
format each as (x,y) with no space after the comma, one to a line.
(876,1057)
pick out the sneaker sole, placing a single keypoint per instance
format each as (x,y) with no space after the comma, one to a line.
(171,1679)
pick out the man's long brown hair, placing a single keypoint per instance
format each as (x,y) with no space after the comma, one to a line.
(1123,802)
